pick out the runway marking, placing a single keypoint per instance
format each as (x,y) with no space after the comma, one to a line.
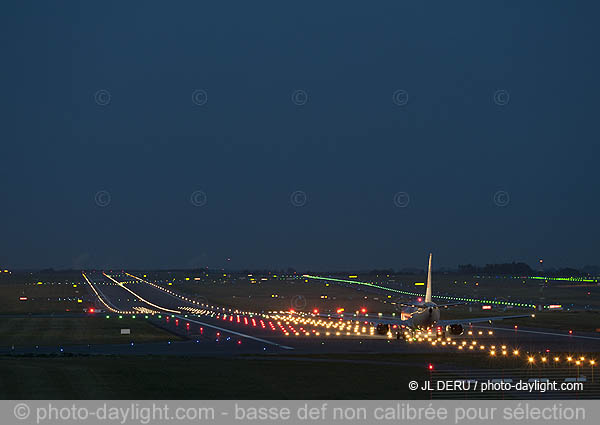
(146,301)
(177,297)
(540,332)
(235,333)
(107,302)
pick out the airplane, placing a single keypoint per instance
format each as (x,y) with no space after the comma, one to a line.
(424,315)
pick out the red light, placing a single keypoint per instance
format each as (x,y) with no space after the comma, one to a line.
(516,326)
(570,332)
(363,310)
(292,310)
(239,342)
(420,299)
(430,366)
(340,310)
(315,311)
(91,310)
(218,333)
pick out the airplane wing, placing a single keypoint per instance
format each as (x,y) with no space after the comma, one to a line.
(450,304)
(386,320)
(479,320)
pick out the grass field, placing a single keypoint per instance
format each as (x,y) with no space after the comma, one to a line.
(352,376)
(199,378)
(84,330)
(43,298)
(587,321)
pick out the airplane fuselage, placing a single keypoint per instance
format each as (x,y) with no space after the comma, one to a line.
(423,316)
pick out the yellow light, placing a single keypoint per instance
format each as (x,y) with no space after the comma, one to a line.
(492,353)
(530,359)
(516,352)
(544,359)
(569,358)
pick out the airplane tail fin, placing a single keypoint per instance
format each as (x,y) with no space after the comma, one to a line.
(428,291)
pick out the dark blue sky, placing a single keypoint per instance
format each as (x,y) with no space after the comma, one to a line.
(494,139)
